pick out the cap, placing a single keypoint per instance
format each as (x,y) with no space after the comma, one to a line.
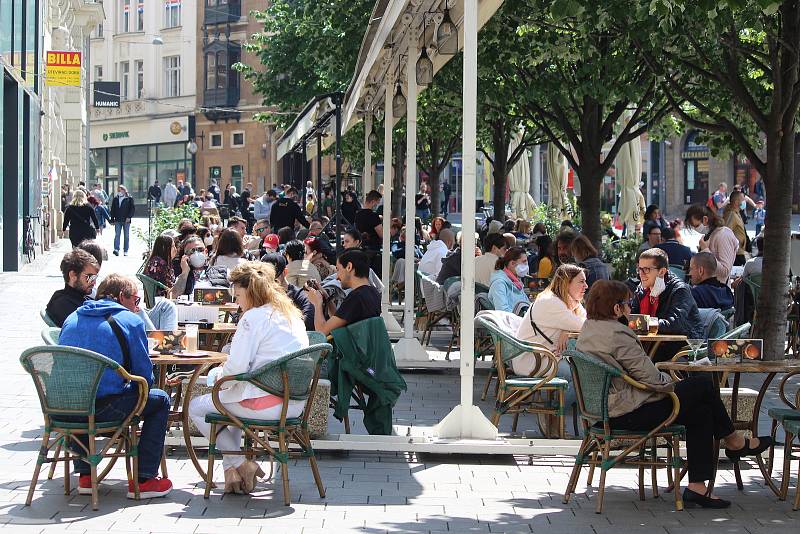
(277,260)
(272,241)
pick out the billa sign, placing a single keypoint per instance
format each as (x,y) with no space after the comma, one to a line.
(105,95)
(63,69)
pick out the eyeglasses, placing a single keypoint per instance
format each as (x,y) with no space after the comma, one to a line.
(645,270)
(137,300)
(628,303)
(196,249)
(90,278)
(259,230)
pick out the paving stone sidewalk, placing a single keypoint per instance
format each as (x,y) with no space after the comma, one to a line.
(366,492)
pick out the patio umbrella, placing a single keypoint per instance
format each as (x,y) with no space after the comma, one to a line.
(556,177)
(519,182)
(629,172)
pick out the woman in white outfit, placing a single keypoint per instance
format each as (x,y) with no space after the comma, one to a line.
(270,327)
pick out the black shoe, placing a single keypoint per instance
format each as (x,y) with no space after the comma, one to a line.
(116,253)
(764,443)
(692,497)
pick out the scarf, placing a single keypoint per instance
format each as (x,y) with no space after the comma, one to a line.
(648,305)
(513,277)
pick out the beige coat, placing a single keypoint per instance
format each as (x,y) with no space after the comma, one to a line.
(617,345)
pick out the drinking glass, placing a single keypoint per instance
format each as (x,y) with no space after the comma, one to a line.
(652,326)
(191,337)
(695,345)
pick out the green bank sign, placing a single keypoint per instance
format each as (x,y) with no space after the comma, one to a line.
(115,135)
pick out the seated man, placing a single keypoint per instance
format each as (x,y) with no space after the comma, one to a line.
(79,269)
(495,247)
(124,340)
(300,269)
(295,293)
(708,292)
(261,229)
(362,302)
(677,253)
(661,294)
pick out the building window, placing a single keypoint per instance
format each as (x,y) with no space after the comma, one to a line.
(125,22)
(237,139)
(98,31)
(124,79)
(139,78)
(237,171)
(98,73)
(172,76)
(216,140)
(140,17)
(172,13)
(219,75)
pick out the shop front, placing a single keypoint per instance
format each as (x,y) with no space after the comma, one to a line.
(695,158)
(138,154)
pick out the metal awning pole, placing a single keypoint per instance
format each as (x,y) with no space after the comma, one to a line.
(303,169)
(466,420)
(338,101)
(368,185)
(319,176)
(391,323)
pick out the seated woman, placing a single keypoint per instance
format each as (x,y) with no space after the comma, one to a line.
(270,327)
(546,258)
(555,313)
(505,286)
(606,336)
(315,255)
(159,264)
(586,255)
(229,250)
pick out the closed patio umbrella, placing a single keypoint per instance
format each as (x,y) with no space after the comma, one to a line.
(519,183)
(557,177)
(629,172)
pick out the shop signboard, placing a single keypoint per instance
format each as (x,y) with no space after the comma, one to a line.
(63,69)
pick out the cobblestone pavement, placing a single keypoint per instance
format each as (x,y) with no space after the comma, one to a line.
(366,492)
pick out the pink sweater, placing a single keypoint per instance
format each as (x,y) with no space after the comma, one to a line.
(723,244)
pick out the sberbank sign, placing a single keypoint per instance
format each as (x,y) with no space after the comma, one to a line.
(115,135)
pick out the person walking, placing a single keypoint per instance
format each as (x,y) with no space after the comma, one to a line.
(170,194)
(80,218)
(122,210)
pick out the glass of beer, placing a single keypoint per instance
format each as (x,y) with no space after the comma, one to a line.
(652,325)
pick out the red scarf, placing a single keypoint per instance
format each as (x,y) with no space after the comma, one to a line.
(513,277)
(648,305)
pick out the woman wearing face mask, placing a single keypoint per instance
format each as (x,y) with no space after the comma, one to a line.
(193,266)
(717,238)
(159,264)
(205,234)
(661,294)
(606,336)
(733,220)
(505,286)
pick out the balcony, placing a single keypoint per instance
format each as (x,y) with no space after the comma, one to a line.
(221,98)
(219,13)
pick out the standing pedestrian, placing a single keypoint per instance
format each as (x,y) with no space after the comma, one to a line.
(759,214)
(170,194)
(122,209)
(79,216)
(446,192)
(154,193)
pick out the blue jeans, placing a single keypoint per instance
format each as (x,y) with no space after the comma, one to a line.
(118,227)
(570,397)
(154,427)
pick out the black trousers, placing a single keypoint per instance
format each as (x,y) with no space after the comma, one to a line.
(701,412)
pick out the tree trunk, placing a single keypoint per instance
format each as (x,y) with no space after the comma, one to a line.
(499,170)
(398,179)
(433,178)
(772,309)
(589,204)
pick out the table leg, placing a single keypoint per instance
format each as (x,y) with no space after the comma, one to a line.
(734,415)
(653,349)
(162,385)
(754,429)
(187,436)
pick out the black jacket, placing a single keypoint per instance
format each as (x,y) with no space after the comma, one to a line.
(284,213)
(122,211)
(678,254)
(451,266)
(711,293)
(63,303)
(677,310)
(300,300)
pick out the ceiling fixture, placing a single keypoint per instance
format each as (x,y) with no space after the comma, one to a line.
(447,36)
(373,137)
(399,100)
(424,68)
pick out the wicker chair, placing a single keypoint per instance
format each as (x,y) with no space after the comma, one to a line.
(753,283)
(46,318)
(292,377)
(789,417)
(67,379)
(592,379)
(150,287)
(518,395)
(50,335)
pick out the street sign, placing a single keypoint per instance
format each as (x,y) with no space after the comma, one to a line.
(106,95)
(63,69)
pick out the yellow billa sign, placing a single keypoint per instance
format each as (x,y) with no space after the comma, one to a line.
(63,69)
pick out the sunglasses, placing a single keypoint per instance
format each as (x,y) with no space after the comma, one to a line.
(90,278)
(260,230)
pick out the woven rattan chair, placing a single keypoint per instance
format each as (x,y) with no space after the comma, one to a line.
(540,393)
(50,335)
(592,380)
(292,377)
(67,379)
(151,287)
(46,318)
(787,415)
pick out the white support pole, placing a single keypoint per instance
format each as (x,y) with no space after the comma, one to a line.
(466,420)
(368,185)
(536,174)
(408,348)
(392,326)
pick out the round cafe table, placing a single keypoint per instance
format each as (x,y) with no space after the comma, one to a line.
(767,368)
(650,342)
(201,360)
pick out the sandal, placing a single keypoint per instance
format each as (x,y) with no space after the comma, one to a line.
(764,443)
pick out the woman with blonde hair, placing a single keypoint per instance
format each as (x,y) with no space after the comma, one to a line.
(733,220)
(270,327)
(80,218)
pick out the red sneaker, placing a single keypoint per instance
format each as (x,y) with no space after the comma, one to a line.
(155,487)
(85,485)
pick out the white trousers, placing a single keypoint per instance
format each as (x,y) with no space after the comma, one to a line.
(230,438)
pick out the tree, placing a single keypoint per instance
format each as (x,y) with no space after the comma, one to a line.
(579,84)
(732,69)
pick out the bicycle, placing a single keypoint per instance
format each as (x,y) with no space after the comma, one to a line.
(29,243)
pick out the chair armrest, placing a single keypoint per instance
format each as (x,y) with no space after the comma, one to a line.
(782,393)
(144,389)
(676,403)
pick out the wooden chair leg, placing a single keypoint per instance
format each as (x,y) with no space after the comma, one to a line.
(39,461)
(641,472)
(591,469)
(676,454)
(284,468)
(135,462)
(93,472)
(66,466)
(212,441)
(562,431)
(654,468)
(52,471)
(602,487)
(488,383)
(576,469)
(787,466)
(312,459)
(514,423)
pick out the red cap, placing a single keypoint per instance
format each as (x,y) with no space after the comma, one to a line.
(272,241)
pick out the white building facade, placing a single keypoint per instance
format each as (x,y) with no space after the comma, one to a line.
(149,47)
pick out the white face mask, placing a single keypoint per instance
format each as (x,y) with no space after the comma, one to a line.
(658,287)
(197,259)
(120,194)
(702,228)
(208,241)
(522,270)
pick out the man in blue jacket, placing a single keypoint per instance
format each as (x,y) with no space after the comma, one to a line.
(92,327)
(707,291)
